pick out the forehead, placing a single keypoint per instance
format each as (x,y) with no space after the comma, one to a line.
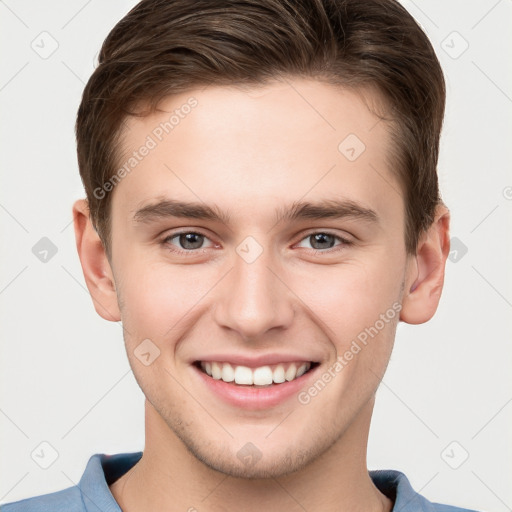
(238,147)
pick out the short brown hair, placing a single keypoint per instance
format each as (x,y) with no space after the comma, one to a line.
(164,47)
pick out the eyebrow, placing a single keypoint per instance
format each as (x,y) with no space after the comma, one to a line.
(326,209)
(298,210)
(173,208)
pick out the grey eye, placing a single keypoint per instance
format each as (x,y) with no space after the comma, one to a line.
(190,240)
(320,241)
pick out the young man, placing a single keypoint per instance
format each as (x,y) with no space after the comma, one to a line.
(262,210)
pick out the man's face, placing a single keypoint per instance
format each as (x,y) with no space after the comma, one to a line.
(258,287)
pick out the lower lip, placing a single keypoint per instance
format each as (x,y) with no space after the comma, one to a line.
(254,398)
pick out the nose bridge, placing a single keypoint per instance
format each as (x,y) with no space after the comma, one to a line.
(253,300)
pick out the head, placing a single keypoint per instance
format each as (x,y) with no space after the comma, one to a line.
(303,137)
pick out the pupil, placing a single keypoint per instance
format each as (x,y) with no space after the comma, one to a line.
(191,240)
(322,238)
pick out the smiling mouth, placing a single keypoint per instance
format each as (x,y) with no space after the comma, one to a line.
(263,376)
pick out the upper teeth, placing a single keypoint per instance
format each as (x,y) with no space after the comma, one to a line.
(262,376)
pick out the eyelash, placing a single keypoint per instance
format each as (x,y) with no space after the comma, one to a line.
(193,252)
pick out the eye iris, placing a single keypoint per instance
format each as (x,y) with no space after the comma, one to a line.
(191,240)
(322,238)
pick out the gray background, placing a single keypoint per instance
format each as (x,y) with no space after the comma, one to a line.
(444,409)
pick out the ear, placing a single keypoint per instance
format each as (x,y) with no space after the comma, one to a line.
(425,272)
(95,265)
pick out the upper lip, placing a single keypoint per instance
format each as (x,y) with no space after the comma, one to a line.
(255,361)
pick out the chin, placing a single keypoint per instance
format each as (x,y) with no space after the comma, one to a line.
(270,466)
(258,456)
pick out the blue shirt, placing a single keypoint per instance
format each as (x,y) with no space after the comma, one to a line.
(93,495)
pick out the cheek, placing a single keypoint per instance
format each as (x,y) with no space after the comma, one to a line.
(158,297)
(352,296)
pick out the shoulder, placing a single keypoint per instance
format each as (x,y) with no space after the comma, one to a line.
(397,487)
(91,493)
(67,500)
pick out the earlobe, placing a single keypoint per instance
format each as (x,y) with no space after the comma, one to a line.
(95,265)
(425,274)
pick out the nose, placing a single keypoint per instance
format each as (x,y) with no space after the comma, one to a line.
(254,298)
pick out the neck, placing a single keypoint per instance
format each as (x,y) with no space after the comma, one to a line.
(169,477)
